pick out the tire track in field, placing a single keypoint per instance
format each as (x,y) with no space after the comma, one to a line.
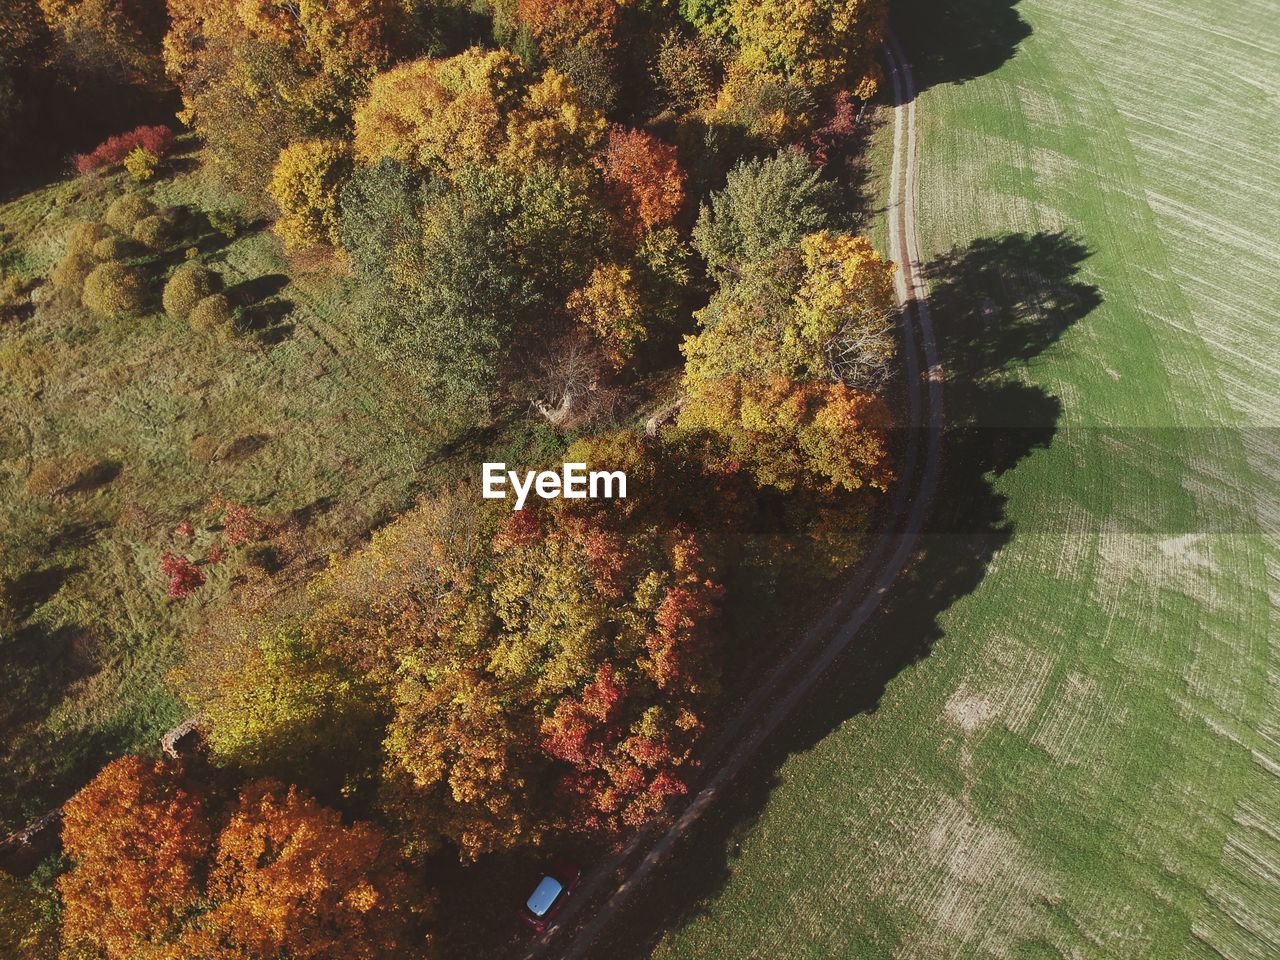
(774,699)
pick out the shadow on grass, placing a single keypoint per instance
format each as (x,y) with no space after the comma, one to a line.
(256,289)
(849,167)
(953,42)
(996,304)
(265,314)
(268,321)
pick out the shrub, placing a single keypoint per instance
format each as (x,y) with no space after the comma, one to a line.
(226,222)
(125,212)
(70,274)
(189,284)
(157,141)
(112,248)
(85,236)
(213,314)
(141,164)
(156,231)
(114,290)
(240,523)
(184,576)
(305,186)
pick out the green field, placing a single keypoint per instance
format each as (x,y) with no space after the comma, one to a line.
(139,423)
(1061,738)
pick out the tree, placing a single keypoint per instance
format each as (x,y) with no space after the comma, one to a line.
(461,765)
(562,23)
(644,181)
(113,41)
(554,126)
(257,75)
(290,879)
(844,320)
(409,584)
(492,641)
(742,330)
(566,380)
(688,72)
(289,705)
(547,216)
(787,352)
(455,294)
(578,38)
(709,16)
(758,112)
(465,277)
(27,930)
(818,44)
(285,876)
(628,735)
(791,433)
(847,439)
(610,307)
(24,49)
(440,114)
(379,207)
(137,836)
(305,186)
(825,313)
(764,209)
(615,624)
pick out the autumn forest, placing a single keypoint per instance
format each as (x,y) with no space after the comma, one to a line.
(569,215)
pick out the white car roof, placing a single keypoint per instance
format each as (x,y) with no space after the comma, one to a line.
(544,895)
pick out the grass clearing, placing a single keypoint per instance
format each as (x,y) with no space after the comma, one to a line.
(1060,740)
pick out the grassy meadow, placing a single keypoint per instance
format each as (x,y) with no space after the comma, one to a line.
(1060,738)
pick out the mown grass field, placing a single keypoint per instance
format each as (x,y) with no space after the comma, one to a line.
(298,418)
(1061,738)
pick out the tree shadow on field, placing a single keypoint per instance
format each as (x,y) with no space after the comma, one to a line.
(954,41)
(996,304)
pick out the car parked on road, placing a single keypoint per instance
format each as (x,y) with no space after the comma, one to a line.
(559,878)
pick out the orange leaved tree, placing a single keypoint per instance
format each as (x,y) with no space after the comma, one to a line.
(138,836)
(153,876)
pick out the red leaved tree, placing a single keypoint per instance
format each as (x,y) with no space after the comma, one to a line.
(644,180)
(629,734)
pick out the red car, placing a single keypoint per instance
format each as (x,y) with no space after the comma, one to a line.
(559,879)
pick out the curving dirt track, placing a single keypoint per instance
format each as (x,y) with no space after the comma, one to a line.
(612,882)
